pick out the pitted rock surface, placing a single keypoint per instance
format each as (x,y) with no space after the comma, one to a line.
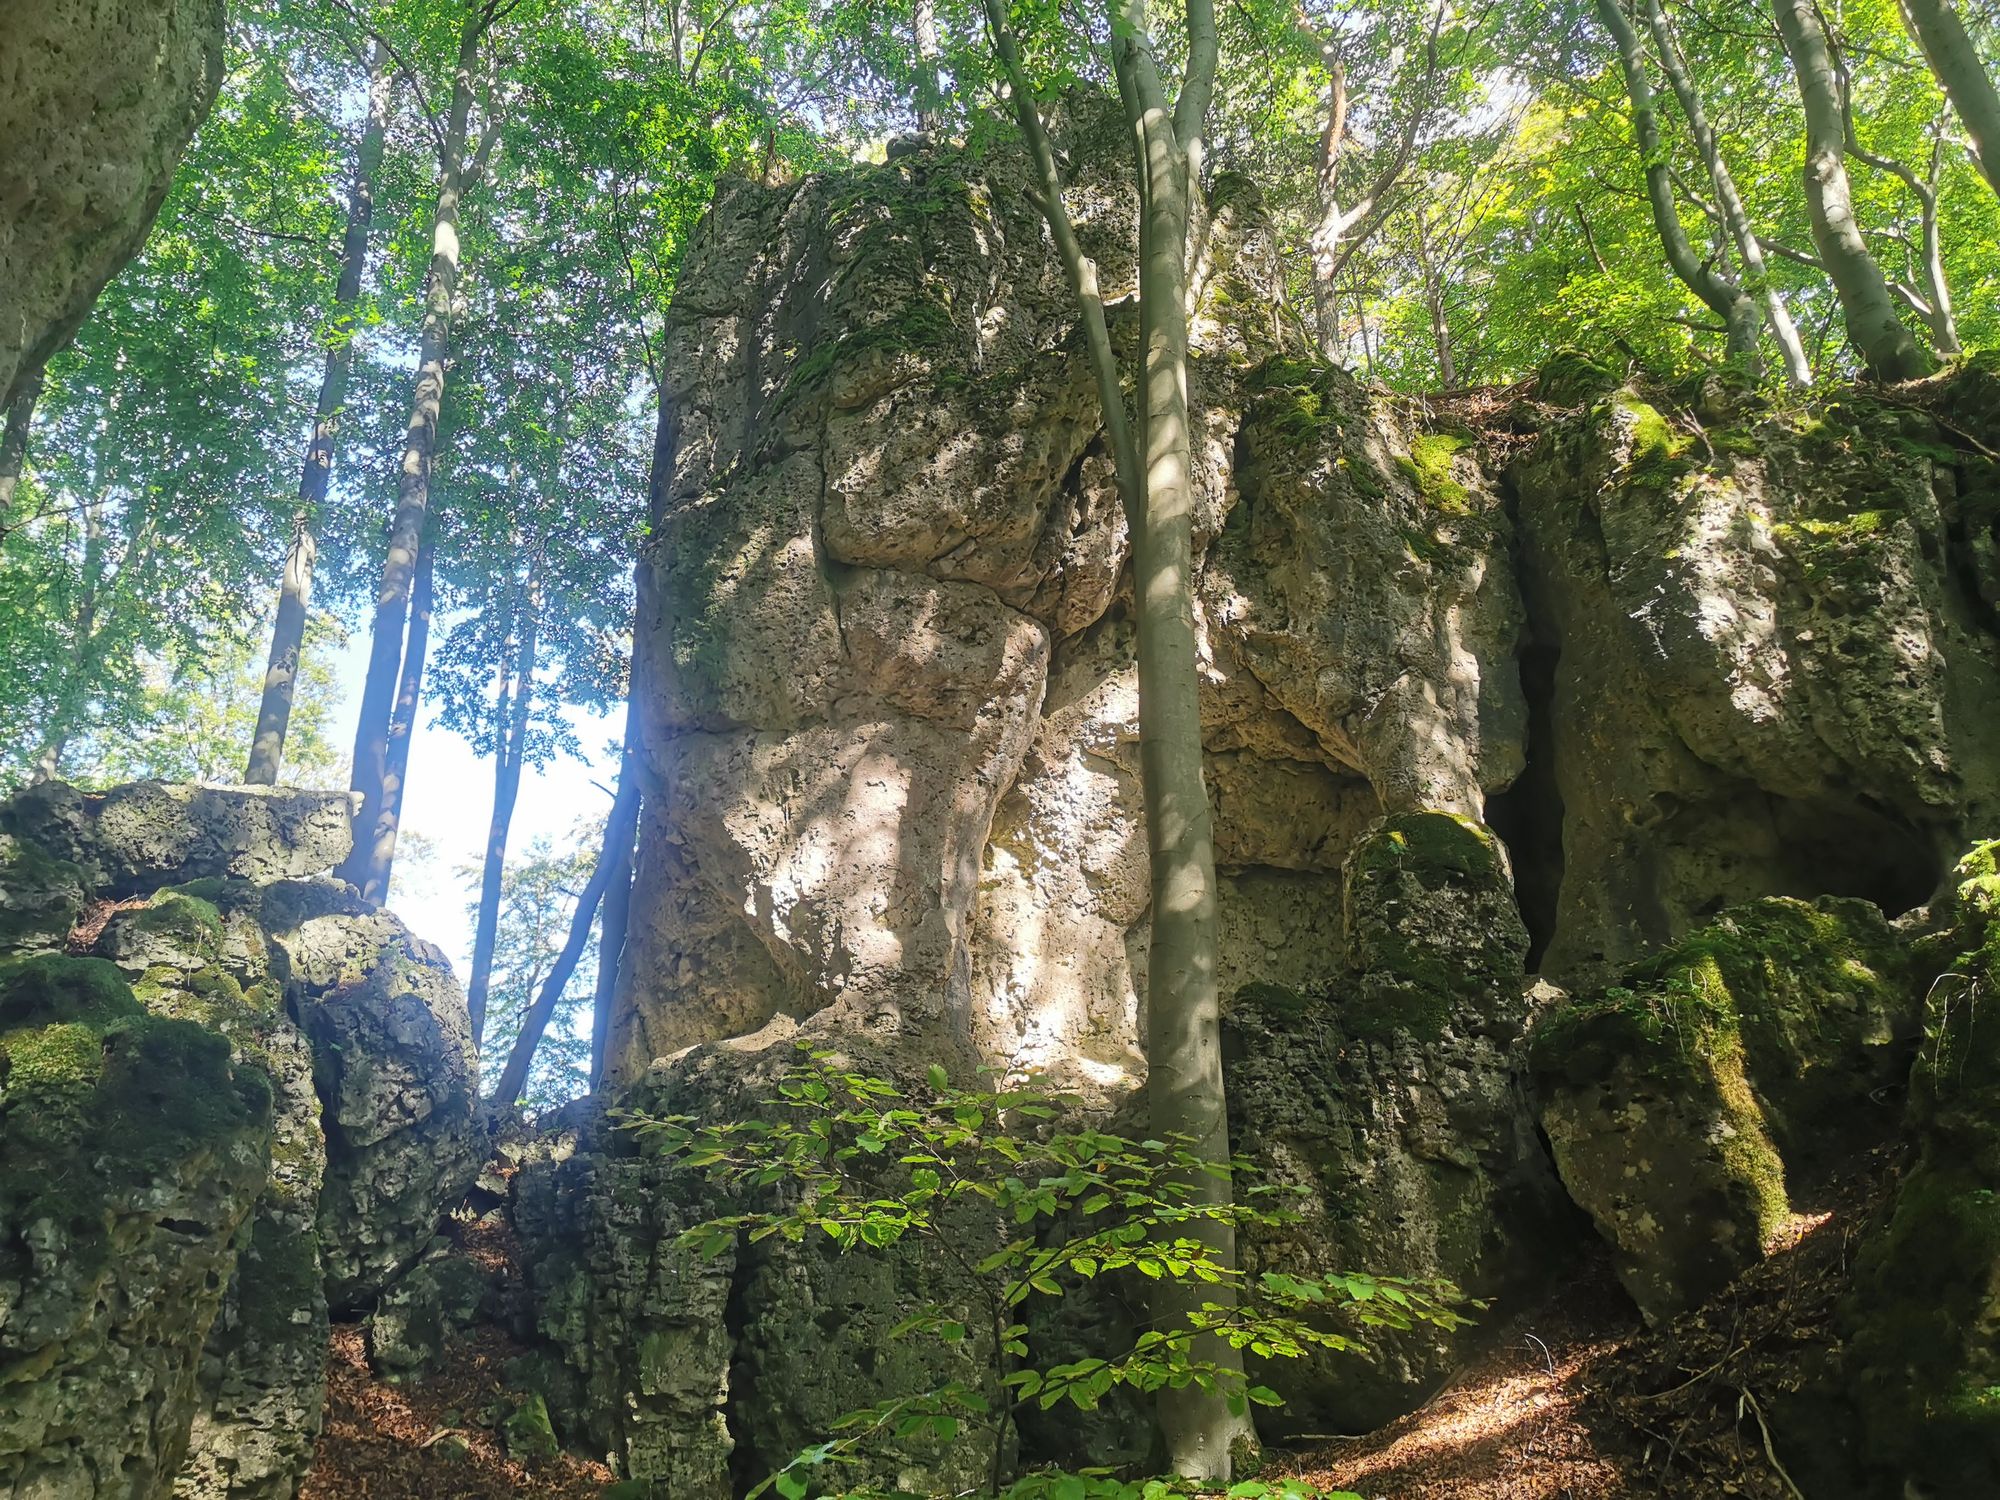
(97,100)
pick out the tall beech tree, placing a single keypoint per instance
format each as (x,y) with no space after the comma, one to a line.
(1728,201)
(1722,295)
(1887,348)
(267,747)
(1153,461)
(460,165)
(1963,75)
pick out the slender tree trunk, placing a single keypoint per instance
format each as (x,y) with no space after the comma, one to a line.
(1956,62)
(1183,1001)
(1325,241)
(371,876)
(1434,305)
(14,441)
(1736,218)
(371,734)
(274,715)
(1722,296)
(930,93)
(1887,348)
(507,765)
(619,831)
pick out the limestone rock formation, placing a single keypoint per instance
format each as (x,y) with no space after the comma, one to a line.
(132,1150)
(1474,708)
(283,1111)
(97,100)
(1775,669)
(397,1076)
(138,837)
(1684,1105)
(1923,1319)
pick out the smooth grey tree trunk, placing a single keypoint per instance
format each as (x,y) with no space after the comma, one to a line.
(1721,295)
(1888,349)
(380,847)
(1962,75)
(406,529)
(1735,218)
(517,695)
(274,714)
(1183,999)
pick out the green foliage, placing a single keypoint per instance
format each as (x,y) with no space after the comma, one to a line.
(1002,1189)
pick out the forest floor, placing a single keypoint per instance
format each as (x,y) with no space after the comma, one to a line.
(1574,1400)
(437,1438)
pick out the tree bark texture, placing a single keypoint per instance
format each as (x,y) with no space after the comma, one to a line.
(274,714)
(1888,349)
(406,530)
(1722,296)
(1956,63)
(1736,218)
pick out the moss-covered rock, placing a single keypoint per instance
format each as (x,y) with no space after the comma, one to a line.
(1924,1313)
(40,898)
(527,1432)
(1431,921)
(131,1153)
(412,1321)
(1765,1044)
(135,838)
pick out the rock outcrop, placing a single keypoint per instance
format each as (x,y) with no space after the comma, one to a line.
(269,1087)
(1686,1104)
(1537,697)
(97,101)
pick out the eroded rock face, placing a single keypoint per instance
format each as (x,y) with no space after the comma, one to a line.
(97,100)
(172,1327)
(136,838)
(889,722)
(397,1076)
(892,751)
(1775,671)
(1923,1353)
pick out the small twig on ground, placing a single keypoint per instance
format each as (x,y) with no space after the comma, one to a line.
(1769,1452)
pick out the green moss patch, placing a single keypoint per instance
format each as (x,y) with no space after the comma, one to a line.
(1571,377)
(98,1098)
(1804,1002)
(1429,467)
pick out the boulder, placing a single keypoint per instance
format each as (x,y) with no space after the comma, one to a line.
(198,953)
(1923,1317)
(145,834)
(441,1297)
(132,1152)
(40,898)
(1772,670)
(1371,1072)
(97,100)
(397,1076)
(1685,1104)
